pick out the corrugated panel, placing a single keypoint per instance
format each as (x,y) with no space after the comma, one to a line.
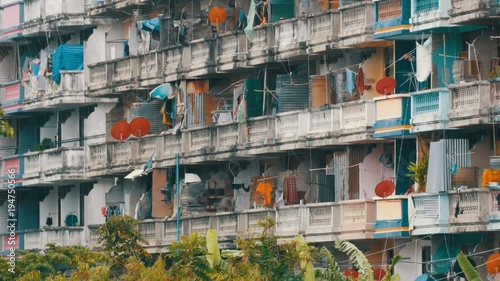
(341,172)
(356,156)
(150,111)
(282,9)
(456,151)
(292,92)
(195,110)
(326,186)
(253,97)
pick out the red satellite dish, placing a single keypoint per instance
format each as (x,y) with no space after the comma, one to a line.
(140,127)
(379,274)
(120,131)
(353,273)
(384,189)
(386,85)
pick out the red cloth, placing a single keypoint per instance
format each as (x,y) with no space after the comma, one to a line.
(360,81)
(290,190)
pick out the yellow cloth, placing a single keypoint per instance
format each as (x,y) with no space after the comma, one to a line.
(490,175)
(265,188)
(165,117)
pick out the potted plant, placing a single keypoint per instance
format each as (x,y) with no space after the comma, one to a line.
(418,173)
(46,143)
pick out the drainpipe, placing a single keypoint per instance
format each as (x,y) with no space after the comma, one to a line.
(178,193)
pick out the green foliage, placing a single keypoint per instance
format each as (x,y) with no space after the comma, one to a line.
(121,238)
(46,143)
(469,270)
(5,129)
(189,259)
(388,276)
(418,170)
(357,258)
(331,271)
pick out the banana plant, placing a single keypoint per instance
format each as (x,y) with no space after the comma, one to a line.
(357,258)
(469,270)
(388,276)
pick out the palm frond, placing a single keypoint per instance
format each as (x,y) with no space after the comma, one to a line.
(332,270)
(357,258)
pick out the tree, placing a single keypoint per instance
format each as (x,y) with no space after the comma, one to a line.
(5,129)
(121,238)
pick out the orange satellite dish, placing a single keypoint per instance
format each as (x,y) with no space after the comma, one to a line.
(217,15)
(493,264)
(379,274)
(386,85)
(384,189)
(120,131)
(140,127)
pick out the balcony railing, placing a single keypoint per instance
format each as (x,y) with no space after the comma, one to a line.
(323,31)
(227,137)
(323,123)
(100,77)
(469,210)
(125,72)
(357,219)
(431,213)
(38,13)
(392,17)
(231,51)
(463,10)
(356,23)
(290,38)
(173,63)
(202,57)
(54,164)
(470,103)
(151,68)
(260,131)
(427,14)
(392,112)
(323,219)
(289,126)
(201,140)
(357,117)
(259,46)
(429,110)
(61,236)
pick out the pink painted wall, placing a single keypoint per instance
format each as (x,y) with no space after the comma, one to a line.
(12,92)
(12,163)
(11,16)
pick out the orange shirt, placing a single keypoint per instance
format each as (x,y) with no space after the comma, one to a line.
(265,188)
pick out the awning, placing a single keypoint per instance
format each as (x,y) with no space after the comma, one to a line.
(152,25)
(137,173)
(161,92)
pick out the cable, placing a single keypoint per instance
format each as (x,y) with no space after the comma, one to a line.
(3,148)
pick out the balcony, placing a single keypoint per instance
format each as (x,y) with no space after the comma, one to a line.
(464,11)
(60,165)
(392,19)
(173,68)
(289,128)
(391,217)
(356,120)
(70,92)
(431,213)
(12,25)
(200,142)
(429,14)
(61,236)
(231,51)
(356,23)
(290,38)
(469,210)
(392,117)
(110,7)
(261,134)
(227,139)
(100,79)
(429,110)
(42,16)
(470,103)
(124,74)
(322,126)
(323,32)
(323,222)
(357,219)
(151,69)
(201,57)
(259,51)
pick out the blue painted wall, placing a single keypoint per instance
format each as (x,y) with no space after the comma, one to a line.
(405,153)
(27,135)
(446,246)
(28,210)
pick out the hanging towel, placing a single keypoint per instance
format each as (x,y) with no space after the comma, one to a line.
(349,82)
(424,60)
(249,31)
(265,189)
(290,190)
(360,80)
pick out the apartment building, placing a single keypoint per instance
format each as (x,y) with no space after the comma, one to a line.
(293,109)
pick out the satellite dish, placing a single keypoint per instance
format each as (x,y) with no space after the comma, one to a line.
(353,273)
(217,15)
(120,131)
(379,274)
(140,127)
(386,85)
(384,189)
(493,264)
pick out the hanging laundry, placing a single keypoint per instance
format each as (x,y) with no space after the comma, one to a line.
(424,60)
(265,188)
(224,117)
(242,22)
(360,80)
(349,81)
(290,190)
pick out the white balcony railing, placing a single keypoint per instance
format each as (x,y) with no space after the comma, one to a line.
(227,137)
(357,115)
(357,21)
(323,30)
(470,103)
(54,162)
(151,66)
